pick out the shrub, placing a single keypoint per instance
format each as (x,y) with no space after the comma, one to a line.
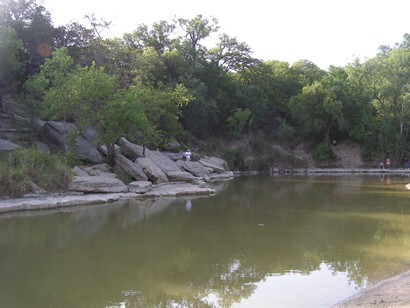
(19,169)
(322,152)
(235,159)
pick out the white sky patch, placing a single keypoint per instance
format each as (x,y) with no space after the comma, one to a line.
(322,31)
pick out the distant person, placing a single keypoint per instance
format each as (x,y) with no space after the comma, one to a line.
(388,163)
(187,155)
(334,142)
(405,163)
(381,165)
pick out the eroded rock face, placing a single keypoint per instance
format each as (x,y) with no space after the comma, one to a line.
(97,184)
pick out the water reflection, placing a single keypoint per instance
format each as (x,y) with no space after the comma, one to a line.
(258,236)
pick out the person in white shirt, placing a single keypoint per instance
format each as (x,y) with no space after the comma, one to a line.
(187,155)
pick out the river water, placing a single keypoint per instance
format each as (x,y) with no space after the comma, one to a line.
(283,241)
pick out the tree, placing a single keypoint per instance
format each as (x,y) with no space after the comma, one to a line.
(195,30)
(10,64)
(318,110)
(237,121)
(159,37)
(388,75)
(33,26)
(230,55)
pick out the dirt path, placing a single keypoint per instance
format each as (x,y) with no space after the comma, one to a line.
(392,292)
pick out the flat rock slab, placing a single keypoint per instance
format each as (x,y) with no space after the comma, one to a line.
(97,184)
(177,189)
(53,202)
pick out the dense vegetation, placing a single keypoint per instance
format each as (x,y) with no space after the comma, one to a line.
(160,82)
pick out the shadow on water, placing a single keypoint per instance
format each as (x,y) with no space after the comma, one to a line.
(216,251)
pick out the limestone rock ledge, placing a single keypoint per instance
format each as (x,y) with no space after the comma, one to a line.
(59,201)
(52,202)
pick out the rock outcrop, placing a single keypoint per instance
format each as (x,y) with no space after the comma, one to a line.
(97,184)
(130,168)
(152,171)
(195,168)
(57,134)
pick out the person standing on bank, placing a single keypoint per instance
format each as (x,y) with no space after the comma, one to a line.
(188,155)
(388,163)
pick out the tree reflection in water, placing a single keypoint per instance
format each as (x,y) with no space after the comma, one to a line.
(156,253)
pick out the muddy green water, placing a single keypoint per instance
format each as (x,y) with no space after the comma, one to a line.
(260,242)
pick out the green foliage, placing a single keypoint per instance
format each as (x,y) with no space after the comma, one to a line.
(322,152)
(235,159)
(21,168)
(285,132)
(10,64)
(170,82)
(237,121)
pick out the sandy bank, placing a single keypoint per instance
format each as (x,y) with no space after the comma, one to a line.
(392,292)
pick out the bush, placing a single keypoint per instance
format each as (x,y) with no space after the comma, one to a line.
(20,169)
(322,152)
(235,159)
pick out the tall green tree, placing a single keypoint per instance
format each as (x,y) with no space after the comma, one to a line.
(10,61)
(195,30)
(388,75)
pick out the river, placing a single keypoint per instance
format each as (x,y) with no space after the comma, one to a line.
(264,241)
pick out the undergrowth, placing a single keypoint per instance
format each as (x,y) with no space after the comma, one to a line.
(21,168)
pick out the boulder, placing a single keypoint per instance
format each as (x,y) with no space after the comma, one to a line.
(87,151)
(174,156)
(152,171)
(195,168)
(163,162)
(130,168)
(131,150)
(56,133)
(97,184)
(221,176)
(6,145)
(140,187)
(211,164)
(219,161)
(181,176)
(104,149)
(79,172)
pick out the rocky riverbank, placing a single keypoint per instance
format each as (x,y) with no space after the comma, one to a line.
(54,201)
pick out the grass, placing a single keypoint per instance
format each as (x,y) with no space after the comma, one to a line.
(20,169)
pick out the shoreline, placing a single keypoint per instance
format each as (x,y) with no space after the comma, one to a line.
(52,201)
(390,292)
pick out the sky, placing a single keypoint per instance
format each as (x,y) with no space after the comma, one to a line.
(326,32)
